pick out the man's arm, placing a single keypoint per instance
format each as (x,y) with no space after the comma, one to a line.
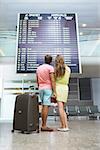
(37,79)
(52,77)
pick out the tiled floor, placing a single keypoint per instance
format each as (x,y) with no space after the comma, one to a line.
(84,135)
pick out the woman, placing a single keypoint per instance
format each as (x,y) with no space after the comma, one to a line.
(62,74)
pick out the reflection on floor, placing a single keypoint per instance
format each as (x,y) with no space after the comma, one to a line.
(83,135)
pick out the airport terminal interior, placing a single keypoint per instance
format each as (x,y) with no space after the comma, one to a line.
(19,20)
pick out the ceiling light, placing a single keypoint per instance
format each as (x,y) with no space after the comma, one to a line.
(84,25)
(81,33)
(25,75)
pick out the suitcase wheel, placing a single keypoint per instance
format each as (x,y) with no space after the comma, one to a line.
(22,131)
(38,131)
(12,130)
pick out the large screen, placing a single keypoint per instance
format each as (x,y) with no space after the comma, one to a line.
(41,34)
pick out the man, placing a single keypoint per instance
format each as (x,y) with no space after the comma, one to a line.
(46,84)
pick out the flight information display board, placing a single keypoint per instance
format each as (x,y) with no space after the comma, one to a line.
(41,34)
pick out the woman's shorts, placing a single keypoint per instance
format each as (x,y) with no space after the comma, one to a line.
(62,92)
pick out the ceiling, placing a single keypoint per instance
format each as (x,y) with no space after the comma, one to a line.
(88,12)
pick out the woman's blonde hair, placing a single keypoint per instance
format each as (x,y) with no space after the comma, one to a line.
(59,66)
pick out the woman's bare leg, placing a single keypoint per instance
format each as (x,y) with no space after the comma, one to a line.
(66,122)
(62,115)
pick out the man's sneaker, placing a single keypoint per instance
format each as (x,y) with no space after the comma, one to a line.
(63,129)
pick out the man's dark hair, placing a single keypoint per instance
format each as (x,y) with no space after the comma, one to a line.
(48,59)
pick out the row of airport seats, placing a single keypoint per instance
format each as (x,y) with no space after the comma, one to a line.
(91,111)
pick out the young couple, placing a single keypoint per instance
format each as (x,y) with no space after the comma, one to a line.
(53,80)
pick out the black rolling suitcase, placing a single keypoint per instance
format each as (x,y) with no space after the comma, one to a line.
(26,113)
